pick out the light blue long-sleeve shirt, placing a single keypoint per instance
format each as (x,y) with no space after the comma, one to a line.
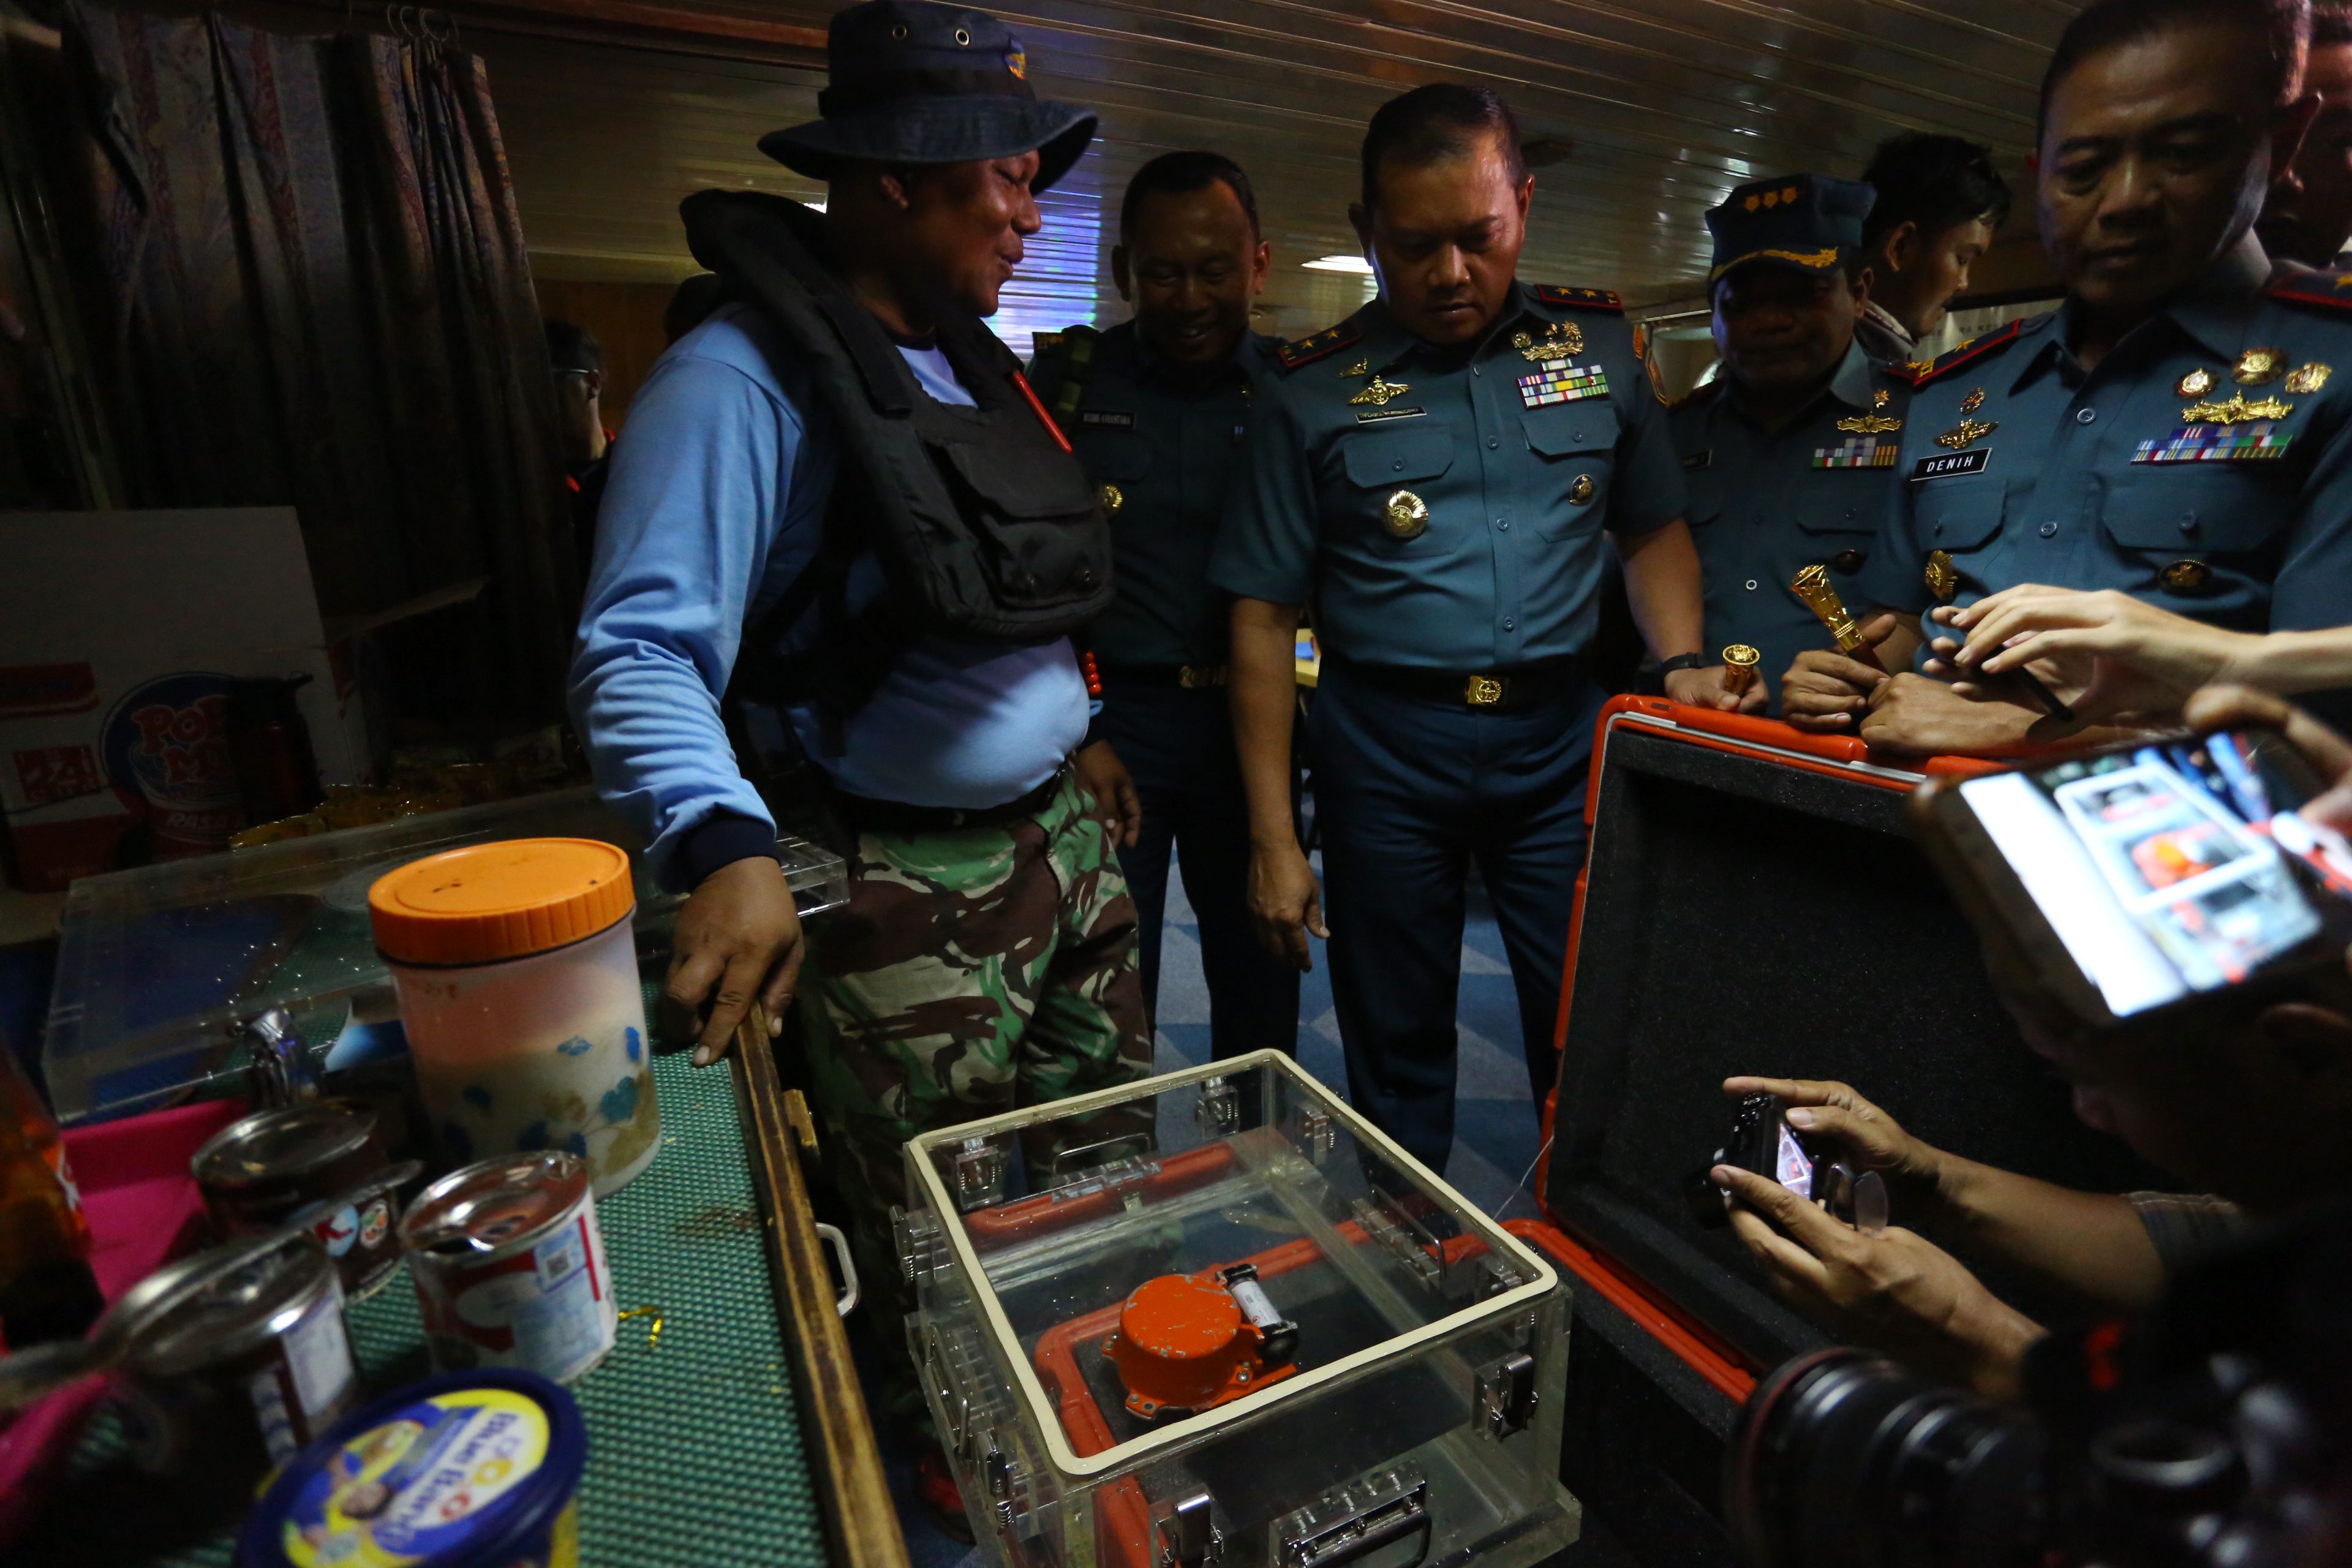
(715,503)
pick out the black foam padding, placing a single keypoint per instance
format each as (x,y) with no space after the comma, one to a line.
(1641,1443)
(1744,916)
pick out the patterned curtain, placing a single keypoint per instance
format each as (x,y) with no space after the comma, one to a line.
(309,286)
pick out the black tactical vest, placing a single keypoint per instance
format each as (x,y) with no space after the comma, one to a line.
(985,526)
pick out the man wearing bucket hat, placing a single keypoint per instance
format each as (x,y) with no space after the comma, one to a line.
(1790,451)
(845,543)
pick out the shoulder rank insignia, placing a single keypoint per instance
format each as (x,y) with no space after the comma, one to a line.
(1321,345)
(1968,353)
(2322,287)
(1580,299)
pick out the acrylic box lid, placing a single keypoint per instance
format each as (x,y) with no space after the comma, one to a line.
(1161,1262)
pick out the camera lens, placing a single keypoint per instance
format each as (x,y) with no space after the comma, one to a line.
(1842,1459)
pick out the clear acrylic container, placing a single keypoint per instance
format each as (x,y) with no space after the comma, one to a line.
(1396,1400)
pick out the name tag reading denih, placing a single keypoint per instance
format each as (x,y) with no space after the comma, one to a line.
(1944,468)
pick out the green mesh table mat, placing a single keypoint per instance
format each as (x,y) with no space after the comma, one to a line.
(695,1456)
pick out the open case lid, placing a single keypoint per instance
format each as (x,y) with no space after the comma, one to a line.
(1753,903)
(158,966)
(1361,1256)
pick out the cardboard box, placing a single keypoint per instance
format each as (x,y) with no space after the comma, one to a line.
(122,635)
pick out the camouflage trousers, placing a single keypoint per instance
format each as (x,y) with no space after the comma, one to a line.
(976,971)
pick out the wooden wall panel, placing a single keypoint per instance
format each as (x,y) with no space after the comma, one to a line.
(627,319)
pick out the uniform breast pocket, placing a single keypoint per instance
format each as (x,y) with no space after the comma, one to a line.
(1958,515)
(2163,513)
(1117,456)
(1838,516)
(1577,443)
(1388,493)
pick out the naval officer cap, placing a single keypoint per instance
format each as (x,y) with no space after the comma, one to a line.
(1809,221)
(916,82)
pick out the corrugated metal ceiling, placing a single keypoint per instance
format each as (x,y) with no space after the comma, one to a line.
(1661,107)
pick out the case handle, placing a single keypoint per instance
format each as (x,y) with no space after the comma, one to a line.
(1360,1534)
(848,1300)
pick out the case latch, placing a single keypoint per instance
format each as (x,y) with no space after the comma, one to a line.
(1506,1394)
(1189,1536)
(921,1248)
(1316,1136)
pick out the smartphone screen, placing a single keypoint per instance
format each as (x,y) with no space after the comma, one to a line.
(2176,868)
(1792,1167)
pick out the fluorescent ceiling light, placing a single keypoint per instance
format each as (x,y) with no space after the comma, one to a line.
(1355,264)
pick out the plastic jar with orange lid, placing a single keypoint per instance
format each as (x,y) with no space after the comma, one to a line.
(516,973)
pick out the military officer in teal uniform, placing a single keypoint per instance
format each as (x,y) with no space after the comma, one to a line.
(1441,475)
(1790,451)
(1156,407)
(2181,429)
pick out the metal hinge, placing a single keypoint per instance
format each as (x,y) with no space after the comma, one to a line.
(1218,1112)
(1355,1521)
(1504,1395)
(921,1248)
(1188,1537)
(1316,1136)
(978,1174)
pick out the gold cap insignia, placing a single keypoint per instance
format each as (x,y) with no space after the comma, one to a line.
(2237,411)
(1112,499)
(1581,490)
(2257,366)
(2196,384)
(1943,577)
(1362,367)
(1973,400)
(2187,576)
(1406,516)
(2305,379)
(1379,391)
(1739,662)
(1965,433)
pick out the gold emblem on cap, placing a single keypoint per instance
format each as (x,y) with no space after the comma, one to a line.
(2305,379)
(2196,384)
(1378,391)
(2237,411)
(1581,490)
(1112,499)
(1943,577)
(1739,662)
(2257,366)
(1406,516)
(1869,425)
(1560,340)
(1362,367)
(1973,400)
(1966,432)
(2187,576)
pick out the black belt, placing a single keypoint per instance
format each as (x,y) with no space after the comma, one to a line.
(1190,676)
(863,812)
(1525,686)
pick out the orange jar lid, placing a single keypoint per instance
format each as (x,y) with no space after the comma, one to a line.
(506,899)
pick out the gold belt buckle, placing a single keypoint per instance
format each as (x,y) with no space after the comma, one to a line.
(1482,691)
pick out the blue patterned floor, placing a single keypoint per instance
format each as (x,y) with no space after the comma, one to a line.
(1494,1124)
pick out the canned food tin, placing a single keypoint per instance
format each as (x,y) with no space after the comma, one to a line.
(510,1267)
(255,1173)
(357,1229)
(235,1358)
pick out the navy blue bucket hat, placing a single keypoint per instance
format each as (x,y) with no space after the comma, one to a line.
(918,82)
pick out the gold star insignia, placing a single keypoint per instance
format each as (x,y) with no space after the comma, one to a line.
(1378,391)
